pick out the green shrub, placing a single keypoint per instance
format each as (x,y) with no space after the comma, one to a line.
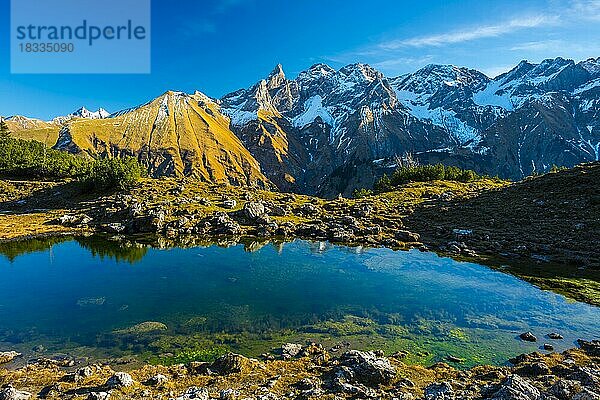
(113,173)
(35,160)
(360,193)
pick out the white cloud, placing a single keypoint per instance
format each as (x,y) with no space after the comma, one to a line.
(473,33)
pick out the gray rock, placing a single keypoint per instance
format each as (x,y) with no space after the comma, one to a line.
(8,356)
(8,392)
(194,393)
(253,210)
(368,368)
(555,336)
(114,227)
(516,388)
(591,348)
(565,389)
(157,380)
(98,396)
(120,380)
(229,204)
(439,391)
(290,350)
(587,394)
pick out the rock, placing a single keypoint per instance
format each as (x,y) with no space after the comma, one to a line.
(142,327)
(231,363)
(586,394)
(406,236)
(534,369)
(516,388)
(229,204)
(78,375)
(439,391)
(229,394)
(253,209)
(587,376)
(157,380)
(98,396)
(290,350)
(591,348)
(548,347)
(74,220)
(276,210)
(114,227)
(361,210)
(368,368)
(194,393)
(8,392)
(565,389)
(555,336)
(8,356)
(528,337)
(455,359)
(120,380)
(308,210)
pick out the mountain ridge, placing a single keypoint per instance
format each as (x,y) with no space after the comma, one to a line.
(328,131)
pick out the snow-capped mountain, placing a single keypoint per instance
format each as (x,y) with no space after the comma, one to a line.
(329,131)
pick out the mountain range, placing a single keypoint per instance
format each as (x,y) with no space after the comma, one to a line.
(329,131)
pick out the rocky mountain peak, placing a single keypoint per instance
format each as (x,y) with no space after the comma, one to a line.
(276,78)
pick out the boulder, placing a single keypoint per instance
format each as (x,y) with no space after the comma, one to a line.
(439,391)
(8,356)
(8,392)
(194,393)
(253,209)
(516,388)
(157,380)
(367,368)
(406,236)
(231,363)
(290,350)
(528,337)
(555,336)
(120,380)
(229,204)
(591,348)
(98,396)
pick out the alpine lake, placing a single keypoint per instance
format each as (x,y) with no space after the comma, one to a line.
(116,300)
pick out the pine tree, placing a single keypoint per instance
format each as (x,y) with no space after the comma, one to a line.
(4,131)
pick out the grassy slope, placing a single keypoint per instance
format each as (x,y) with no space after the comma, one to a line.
(187,129)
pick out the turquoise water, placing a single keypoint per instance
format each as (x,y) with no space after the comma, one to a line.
(73,296)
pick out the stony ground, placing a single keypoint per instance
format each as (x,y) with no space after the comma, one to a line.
(310,372)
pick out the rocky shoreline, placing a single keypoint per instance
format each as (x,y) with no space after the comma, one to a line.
(537,229)
(310,372)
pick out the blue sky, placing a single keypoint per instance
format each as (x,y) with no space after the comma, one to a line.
(217,46)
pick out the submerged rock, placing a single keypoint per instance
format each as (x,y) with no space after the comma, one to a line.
(528,337)
(143,327)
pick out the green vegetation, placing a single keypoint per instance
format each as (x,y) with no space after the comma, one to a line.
(361,193)
(424,173)
(109,173)
(31,159)
(4,131)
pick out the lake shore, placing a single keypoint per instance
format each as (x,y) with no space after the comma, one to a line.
(539,229)
(312,372)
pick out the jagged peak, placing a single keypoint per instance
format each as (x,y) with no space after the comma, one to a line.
(364,71)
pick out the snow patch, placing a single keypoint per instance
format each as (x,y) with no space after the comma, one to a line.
(313,108)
